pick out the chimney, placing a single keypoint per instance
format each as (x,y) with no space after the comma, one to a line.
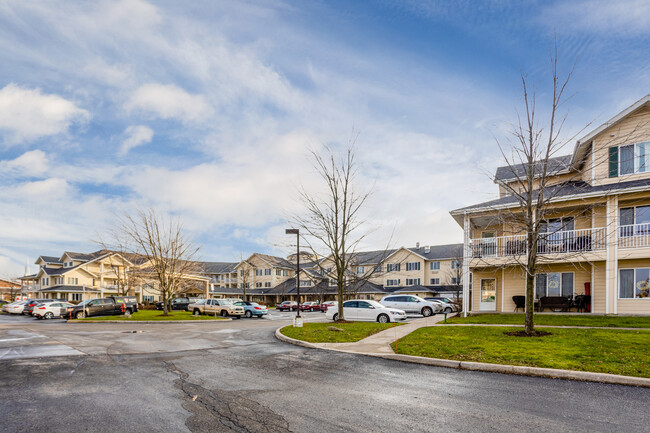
(417,245)
(427,249)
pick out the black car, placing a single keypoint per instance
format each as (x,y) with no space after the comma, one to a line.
(178,303)
(110,306)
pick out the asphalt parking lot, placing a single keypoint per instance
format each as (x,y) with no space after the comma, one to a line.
(234,376)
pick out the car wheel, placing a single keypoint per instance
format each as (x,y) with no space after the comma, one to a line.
(129,311)
(448,310)
(196,312)
(224,313)
(383,318)
(80,315)
(248,314)
(48,315)
(426,311)
(335,317)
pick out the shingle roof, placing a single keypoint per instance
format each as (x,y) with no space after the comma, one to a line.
(59,271)
(218,267)
(439,252)
(69,289)
(566,190)
(86,257)
(555,165)
(414,288)
(276,261)
(50,259)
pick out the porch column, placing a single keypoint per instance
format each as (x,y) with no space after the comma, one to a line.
(466,258)
(611,265)
(207,289)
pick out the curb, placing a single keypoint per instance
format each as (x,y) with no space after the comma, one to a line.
(148,321)
(552,373)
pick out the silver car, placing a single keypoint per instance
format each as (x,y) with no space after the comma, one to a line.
(412,304)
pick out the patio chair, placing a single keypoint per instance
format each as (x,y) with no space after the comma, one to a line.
(520,302)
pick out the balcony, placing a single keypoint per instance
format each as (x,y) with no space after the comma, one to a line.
(562,242)
(634,236)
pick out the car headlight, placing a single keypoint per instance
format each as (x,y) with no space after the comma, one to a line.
(395,313)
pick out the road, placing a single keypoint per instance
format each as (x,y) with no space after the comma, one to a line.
(235,377)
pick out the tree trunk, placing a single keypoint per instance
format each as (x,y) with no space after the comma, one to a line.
(340,305)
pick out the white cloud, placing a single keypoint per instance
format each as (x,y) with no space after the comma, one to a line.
(169,101)
(604,17)
(135,136)
(32,163)
(26,114)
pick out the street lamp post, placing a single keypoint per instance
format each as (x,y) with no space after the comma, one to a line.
(297,233)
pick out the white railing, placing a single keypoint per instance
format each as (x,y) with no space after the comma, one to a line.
(634,236)
(568,241)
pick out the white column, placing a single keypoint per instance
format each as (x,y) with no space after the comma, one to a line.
(614,290)
(466,258)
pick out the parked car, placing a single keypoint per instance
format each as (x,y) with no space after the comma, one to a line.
(412,304)
(253,309)
(287,305)
(7,306)
(366,311)
(447,304)
(51,310)
(178,303)
(17,307)
(309,306)
(29,307)
(109,306)
(221,307)
(3,302)
(325,305)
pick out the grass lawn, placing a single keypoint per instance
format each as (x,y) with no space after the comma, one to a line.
(557,320)
(319,332)
(154,315)
(598,350)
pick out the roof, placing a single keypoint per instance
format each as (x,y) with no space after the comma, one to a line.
(69,289)
(49,259)
(83,257)
(60,271)
(28,277)
(218,267)
(409,289)
(562,191)
(440,252)
(555,166)
(275,261)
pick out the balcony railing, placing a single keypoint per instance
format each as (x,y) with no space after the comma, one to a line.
(569,241)
(634,236)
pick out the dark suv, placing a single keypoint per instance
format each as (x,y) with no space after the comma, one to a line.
(178,303)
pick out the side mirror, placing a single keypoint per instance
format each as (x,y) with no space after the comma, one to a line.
(371,307)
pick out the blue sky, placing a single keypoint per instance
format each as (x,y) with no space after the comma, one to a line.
(206,109)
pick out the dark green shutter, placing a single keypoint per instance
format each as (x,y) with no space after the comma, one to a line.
(613,161)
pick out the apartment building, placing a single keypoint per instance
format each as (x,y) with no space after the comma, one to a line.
(595,238)
(8,289)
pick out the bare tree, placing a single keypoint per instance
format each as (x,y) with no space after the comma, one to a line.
(169,256)
(332,222)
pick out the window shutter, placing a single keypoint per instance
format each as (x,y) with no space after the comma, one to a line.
(613,161)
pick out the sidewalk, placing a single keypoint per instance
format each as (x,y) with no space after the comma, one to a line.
(381,341)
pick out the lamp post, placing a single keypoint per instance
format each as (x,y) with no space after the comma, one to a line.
(297,233)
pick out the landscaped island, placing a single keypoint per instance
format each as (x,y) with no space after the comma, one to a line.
(153,315)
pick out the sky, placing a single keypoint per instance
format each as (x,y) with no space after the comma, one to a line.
(207,110)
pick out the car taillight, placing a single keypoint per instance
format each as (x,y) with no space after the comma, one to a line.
(257,308)
(41,308)
(31,305)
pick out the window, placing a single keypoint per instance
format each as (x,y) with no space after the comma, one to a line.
(554,284)
(412,281)
(259,272)
(350,304)
(77,296)
(454,281)
(634,221)
(305,283)
(392,282)
(267,271)
(379,268)
(392,267)
(73,281)
(634,283)
(435,281)
(278,272)
(434,266)
(267,284)
(285,273)
(414,266)
(360,270)
(456,264)
(258,284)
(629,159)
(45,281)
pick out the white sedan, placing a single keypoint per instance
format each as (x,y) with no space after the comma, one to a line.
(17,307)
(366,311)
(51,310)
(6,307)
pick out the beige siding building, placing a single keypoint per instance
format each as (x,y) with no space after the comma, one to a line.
(596,238)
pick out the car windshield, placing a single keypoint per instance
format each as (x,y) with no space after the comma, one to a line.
(241,304)
(225,302)
(84,302)
(375,304)
(200,301)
